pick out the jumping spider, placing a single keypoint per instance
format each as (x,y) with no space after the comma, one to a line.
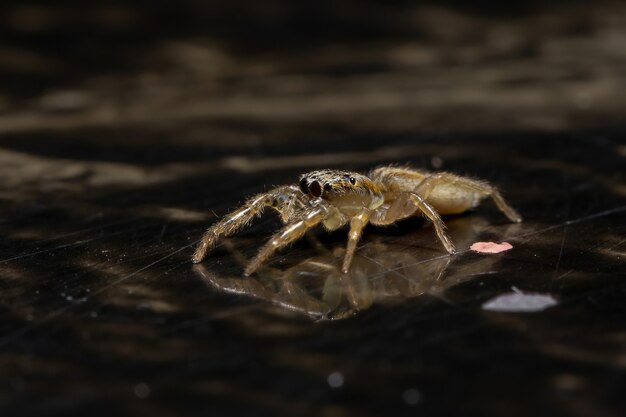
(335,198)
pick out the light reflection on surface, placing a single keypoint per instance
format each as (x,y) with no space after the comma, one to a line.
(382,273)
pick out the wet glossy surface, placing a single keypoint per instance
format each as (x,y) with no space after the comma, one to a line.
(107,181)
(99,295)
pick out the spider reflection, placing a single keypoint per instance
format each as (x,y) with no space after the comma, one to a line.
(381,273)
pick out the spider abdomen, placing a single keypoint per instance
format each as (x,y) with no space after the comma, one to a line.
(449,199)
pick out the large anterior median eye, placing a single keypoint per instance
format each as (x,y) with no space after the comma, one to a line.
(315,189)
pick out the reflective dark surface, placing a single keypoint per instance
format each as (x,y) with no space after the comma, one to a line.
(109,174)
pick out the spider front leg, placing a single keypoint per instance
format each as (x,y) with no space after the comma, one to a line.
(238,219)
(425,188)
(286,236)
(357,223)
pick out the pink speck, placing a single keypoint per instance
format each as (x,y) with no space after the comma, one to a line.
(491,247)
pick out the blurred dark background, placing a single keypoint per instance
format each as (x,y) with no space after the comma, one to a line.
(390,65)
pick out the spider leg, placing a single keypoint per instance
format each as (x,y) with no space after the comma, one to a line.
(285,236)
(482,188)
(357,223)
(433,216)
(396,212)
(238,219)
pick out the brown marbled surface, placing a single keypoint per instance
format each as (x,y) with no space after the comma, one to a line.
(125,130)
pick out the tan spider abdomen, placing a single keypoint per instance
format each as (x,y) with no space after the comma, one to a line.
(450,199)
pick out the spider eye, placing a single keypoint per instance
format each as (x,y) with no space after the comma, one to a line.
(328,187)
(352,180)
(303,186)
(315,189)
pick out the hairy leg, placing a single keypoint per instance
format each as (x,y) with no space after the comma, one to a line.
(357,223)
(285,236)
(425,188)
(238,219)
(397,211)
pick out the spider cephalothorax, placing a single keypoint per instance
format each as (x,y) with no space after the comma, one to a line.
(336,198)
(329,183)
